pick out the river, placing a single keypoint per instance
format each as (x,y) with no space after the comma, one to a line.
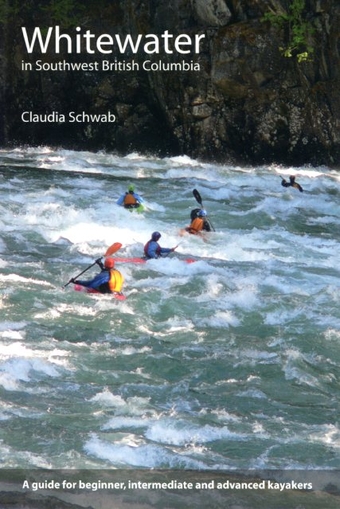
(230,362)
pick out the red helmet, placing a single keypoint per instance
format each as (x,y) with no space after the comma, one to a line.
(109,263)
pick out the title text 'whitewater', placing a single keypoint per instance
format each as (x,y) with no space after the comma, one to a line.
(88,42)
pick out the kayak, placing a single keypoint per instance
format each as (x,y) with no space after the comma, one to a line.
(183,231)
(144,260)
(138,209)
(84,289)
(121,259)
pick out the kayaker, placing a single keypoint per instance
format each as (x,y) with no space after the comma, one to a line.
(153,250)
(207,227)
(291,183)
(109,280)
(199,223)
(130,199)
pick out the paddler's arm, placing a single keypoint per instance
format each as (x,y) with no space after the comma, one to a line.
(138,198)
(120,200)
(167,250)
(98,280)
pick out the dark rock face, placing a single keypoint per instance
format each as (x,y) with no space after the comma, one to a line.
(246,103)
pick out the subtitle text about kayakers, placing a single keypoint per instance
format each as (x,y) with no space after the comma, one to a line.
(171,485)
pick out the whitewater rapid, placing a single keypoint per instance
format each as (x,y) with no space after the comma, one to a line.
(228,362)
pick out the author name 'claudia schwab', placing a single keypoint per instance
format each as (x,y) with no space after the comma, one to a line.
(72,117)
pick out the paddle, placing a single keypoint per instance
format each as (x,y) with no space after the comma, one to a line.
(197,197)
(110,251)
(199,200)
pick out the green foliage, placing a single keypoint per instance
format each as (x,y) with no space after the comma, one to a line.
(67,13)
(7,10)
(299,30)
(64,12)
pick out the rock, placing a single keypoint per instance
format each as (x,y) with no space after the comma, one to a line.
(246,103)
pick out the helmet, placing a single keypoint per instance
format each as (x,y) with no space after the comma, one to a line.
(156,236)
(202,213)
(131,188)
(109,263)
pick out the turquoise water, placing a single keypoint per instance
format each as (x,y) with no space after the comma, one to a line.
(230,362)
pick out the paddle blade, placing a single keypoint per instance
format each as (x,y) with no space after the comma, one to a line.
(197,196)
(113,249)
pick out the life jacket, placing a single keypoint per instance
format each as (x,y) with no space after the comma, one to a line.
(146,249)
(130,200)
(196,225)
(114,284)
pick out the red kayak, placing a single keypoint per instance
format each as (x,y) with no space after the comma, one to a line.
(144,260)
(84,289)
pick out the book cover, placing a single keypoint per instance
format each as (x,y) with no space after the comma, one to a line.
(210,377)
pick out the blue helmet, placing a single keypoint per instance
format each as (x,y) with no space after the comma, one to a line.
(155,236)
(202,213)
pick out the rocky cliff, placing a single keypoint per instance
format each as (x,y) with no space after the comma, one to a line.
(251,98)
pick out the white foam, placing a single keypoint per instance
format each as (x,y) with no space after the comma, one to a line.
(180,433)
(108,399)
(138,455)
(125,422)
(65,309)
(12,334)
(135,406)
(20,362)
(10,326)
(19,370)
(15,278)
(222,320)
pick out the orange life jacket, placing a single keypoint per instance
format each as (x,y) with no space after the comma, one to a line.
(196,225)
(129,200)
(116,281)
(114,284)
